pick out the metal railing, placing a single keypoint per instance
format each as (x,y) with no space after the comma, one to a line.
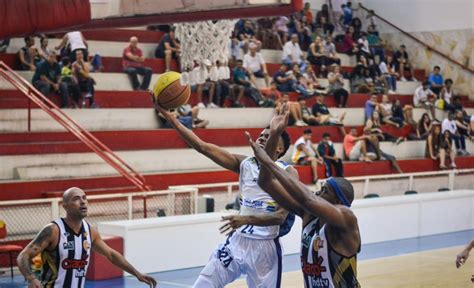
(71,126)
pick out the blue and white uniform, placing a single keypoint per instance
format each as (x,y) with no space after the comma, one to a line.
(251,250)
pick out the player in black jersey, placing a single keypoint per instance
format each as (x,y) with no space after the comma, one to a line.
(330,240)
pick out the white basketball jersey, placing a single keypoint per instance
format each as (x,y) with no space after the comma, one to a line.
(67,265)
(255,201)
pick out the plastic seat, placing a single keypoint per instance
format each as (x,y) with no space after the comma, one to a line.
(371,195)
(410,192)
(8,248)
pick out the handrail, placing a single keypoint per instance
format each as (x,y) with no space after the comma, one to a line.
(70,125)
(430,48)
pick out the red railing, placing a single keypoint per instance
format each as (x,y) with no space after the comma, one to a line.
(70,125)
(430,48)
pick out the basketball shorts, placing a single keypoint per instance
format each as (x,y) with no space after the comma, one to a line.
(259,260)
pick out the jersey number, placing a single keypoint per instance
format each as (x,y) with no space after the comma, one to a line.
(248,229)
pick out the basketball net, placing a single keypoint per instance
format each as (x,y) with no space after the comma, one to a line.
(204,50)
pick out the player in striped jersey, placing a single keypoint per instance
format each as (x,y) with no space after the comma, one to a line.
(65,246)
(330,240)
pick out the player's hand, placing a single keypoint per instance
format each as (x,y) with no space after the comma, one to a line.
(147,279)
(461,258)
(280,120)
(258,151)
(35,283)
(233,222)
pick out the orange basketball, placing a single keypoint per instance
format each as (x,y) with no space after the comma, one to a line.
(169,92)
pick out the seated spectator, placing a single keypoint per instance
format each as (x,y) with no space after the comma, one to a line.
(81,72)
(358,81)
(284,82)
(373,146)
(336,86)
(311,79)
(402,62)
(330,52)
(47,78)
(328,153)
(463,126)
(322,21)
(386,109)
(436,80)
(303,85)
(374,125)
(187,111)
(28,55)
(349,46)
(449,124)
(76,41)
(240,78)
(296,118)
(375,77)
(306,113)
(306,153)
(303,31)
(255,65)
(265,33)
(375,43)
(324,117)
(355,148)
(307,13)
(390,76)
(405,113)
(132,63)
(68,78)
(438,146)
(357,24)
(44,50)
(292,54)
(371,105)
(424,98)
(4,43)
(317,55)
(169,48)
(424,127)
(246,35)
(446,94)
(280,29)
(271,95)
(364,49)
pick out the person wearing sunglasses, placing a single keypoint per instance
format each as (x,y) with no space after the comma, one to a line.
(330,238)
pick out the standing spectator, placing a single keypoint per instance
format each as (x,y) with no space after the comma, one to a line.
(132,64)
(330,52)
(403,63)
(284,82)
(446,95)
(81,71)
(44,50)
(169,48)
(436,80)
(424,98)
(292,54)
(255,65)
(449,124)
(349,46)
(306,153)
(389,75)
(336,86)
(355,147)
(28,55)
(4,43)
(386,110)
(76,42)
(438,147)
(328,153)
(317,55)
(48,78)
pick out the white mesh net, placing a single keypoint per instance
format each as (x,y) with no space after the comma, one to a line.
(204,50)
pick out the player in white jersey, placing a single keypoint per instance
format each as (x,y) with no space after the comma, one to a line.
(330,240)
(65,246)
(252,247)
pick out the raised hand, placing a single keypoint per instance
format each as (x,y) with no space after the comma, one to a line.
(279,121)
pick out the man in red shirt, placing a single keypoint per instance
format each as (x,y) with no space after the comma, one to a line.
(132,63)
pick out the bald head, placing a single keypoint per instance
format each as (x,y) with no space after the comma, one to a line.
(70,193)
(133,41)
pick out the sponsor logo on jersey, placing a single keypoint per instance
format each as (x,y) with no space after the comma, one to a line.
(68,245)
(80,273)
(313,269)
(74,264)
(318,243)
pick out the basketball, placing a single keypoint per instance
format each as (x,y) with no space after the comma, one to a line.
(169,92)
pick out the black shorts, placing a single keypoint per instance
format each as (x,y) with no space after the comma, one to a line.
(303,161)
(259,74)
(159,53)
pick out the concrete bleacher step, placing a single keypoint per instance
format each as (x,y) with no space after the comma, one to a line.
(19,189)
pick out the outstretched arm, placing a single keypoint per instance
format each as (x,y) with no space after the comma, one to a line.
(117,259)
(220,156)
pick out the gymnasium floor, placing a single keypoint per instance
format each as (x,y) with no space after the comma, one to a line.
(411,263)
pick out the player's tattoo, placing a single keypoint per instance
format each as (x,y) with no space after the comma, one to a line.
(42,236)
(24,265)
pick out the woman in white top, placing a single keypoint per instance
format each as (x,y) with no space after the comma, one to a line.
(76,42)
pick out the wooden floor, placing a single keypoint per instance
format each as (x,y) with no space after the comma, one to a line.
(430,269)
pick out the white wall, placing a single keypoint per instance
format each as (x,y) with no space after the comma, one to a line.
(425,15)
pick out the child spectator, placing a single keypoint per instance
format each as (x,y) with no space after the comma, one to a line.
(424,98)
(328,153)
(169,48)
(436,80)
(80,70)
(28,55)
(336,86)
(306,153)
(132,63)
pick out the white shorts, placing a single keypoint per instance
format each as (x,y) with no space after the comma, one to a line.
(259,260)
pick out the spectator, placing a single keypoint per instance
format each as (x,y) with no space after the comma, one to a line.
(306,114)
(44,50)
(349,46)
(405,113)
(28,55)
(364,49)
(328,153)
(347,14)
(48,78)
(449,124)
(357,24)
(76,42)
(355,148)
(311,79)
(322,21)
(308,13)
(446,94)
(247,35)
(169,48)
(375,43)
(336,86)
(303,31)
(255,65)
(324,28)
(317,55)
(80,70)
(272,95)
(306,153)
(132,63)
(373,146)
(4,43)
(422,99)
(386,109)
(402,62)
(424,127)
(371,105)
(295,111)
(374,124)
(436,80)
(359,82)
(240,78)
(324,117)
(389,75)
(280,28)
(380,84)
(292,54)
(71,83)
(463,126)
(330,52)
(284,82)
(187,111)
(437,145)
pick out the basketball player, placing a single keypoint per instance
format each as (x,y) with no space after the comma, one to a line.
(253,247)
(461,258)
(330,240)
(65,246)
